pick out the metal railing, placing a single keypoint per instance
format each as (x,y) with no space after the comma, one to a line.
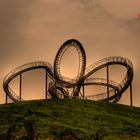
(83,75)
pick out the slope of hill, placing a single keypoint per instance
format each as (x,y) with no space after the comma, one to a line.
(68,120)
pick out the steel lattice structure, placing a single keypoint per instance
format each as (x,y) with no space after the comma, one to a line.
(59,85)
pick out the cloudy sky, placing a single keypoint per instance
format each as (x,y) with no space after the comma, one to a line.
(32,30)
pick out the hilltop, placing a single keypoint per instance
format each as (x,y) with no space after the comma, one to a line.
(68,120)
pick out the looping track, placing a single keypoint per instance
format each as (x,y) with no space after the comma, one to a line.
(60,83)
(82,57)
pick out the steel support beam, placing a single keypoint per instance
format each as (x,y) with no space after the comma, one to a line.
(20,87)
(131,98)
(83,90)
(107,74)
(55,88)
(46,84)
(6,99)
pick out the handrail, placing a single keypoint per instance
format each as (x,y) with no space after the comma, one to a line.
(83,76)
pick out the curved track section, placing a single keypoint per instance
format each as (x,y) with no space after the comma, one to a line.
(82,57)
(126,81)
(21,69)
(59,87)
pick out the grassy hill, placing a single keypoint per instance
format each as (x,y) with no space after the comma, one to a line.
(68,120)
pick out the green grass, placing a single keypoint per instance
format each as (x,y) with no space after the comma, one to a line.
(69,120)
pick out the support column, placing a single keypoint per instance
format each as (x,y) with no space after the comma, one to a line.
(46,84)
(131,99)
(6,99)
(73,93)
(20,87)
(107,70)
(55,89)
(83,91)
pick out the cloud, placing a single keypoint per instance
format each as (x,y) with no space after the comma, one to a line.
(12,16)
(84,4)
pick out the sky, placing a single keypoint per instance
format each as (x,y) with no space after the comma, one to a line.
(32,30)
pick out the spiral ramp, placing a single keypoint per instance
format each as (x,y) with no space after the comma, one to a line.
(118,88)
(60,85)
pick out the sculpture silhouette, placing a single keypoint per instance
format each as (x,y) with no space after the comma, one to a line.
(59,85)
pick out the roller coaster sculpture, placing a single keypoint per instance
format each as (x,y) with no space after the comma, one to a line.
(59,85)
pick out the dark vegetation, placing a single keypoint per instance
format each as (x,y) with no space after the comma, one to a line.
(68,120)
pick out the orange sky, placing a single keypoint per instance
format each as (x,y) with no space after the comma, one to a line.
(34,30)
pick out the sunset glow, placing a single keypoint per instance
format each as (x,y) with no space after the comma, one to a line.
(34,30)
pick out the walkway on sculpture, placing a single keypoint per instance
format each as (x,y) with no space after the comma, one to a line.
(59,85)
